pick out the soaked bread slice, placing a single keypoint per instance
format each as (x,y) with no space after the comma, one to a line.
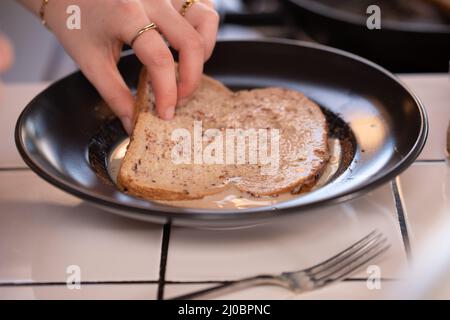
(264,142)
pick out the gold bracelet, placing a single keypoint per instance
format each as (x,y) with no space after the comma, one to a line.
(42,12)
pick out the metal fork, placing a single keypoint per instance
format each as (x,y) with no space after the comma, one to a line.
(334,269)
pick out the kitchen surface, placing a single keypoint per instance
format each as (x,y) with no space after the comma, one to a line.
(45,231)
(56,246)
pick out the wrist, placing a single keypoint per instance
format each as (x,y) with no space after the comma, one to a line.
(53,15)
(50,12)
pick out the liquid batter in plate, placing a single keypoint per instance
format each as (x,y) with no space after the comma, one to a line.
(233,198)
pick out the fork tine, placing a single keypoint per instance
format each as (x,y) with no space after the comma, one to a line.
(345,253)
(354,255)
(349,265)
(358,266)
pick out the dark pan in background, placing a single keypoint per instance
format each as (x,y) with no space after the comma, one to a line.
(415,36)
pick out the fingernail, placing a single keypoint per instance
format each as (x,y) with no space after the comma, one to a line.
(127,124)
(168,113)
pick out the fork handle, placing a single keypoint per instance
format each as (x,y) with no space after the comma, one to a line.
(235,286)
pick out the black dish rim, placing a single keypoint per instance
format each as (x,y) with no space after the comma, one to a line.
(201,215)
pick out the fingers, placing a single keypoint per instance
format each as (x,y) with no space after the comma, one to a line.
(153,52)
(188,42)
(193,36)
(161,69)
(205,20)
(6,53)
(106,78)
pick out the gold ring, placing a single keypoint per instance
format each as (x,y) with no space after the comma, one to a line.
(186,6)
(148,27)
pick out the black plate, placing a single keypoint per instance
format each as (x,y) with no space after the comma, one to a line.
(388,122)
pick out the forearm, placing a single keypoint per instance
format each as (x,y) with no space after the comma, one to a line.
(52,13)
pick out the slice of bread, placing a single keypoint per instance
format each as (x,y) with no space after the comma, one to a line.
(150,172)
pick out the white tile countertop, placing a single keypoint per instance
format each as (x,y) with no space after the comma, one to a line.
(45,232)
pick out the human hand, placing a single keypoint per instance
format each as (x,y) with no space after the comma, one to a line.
(108,24)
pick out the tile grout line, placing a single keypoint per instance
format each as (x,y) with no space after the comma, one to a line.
(230,281)
(142,282)
(83,283)
(401,214)
(12,169)
(163,261)
(166,237)
(430,161)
